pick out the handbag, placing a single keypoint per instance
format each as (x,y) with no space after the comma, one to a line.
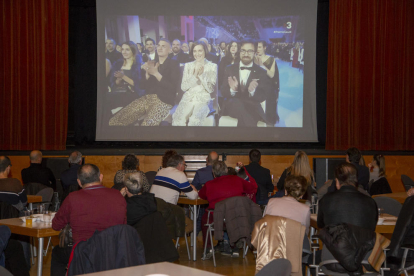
(65,237)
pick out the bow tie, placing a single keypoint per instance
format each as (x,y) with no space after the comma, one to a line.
(246,68)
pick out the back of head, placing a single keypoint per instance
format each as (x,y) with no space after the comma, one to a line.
(75,157)
(255,155)
(219,168)
(167,156)
(300,166)
(296,186)
(231,171)
(175,160)
(346,173)
(354,155)
(380,160)
(130,162)
(36,156)
(212,156)
(4,163)
(89,173)
(134,183)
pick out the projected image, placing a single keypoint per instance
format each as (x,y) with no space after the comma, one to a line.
(204,71)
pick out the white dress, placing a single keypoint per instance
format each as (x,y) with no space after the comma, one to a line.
(193,106)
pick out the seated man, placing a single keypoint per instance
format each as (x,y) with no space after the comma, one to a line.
(69,177)
(94,207)
(347,205)
(139,204)
(11,190)
(38,174)
(160,81)
(245,87)
(223,186)
(171,181)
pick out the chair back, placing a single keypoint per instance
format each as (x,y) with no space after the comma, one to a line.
(8,211)
(33,188)
(4,239)
(407,181)
(151,176)
(278,267)
(4,272)
(390,205)
(173,215)
(46,194)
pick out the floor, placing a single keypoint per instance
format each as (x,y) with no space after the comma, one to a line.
(225,265)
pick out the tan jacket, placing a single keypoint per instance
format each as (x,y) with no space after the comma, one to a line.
(278,237)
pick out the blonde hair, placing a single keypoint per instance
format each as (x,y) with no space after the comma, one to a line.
(300,166)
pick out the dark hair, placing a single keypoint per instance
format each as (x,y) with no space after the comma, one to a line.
(134,50)
(264,44)
(248,41)
(165,40)
(130,162)
(88,173)
(167,156)
(175,160)
(346,173)
(150,39)
(198,42)
(219,168)
(242,173)
(229,56)
(380,160)
(222,43)
(4,163)
(177,40)
(354,155)
(255,155)
(231,171)
(296,185)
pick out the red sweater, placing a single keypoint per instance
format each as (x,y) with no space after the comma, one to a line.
(90,209)
(224,187)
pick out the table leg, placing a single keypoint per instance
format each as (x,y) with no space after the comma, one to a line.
(194,232)
(40,257)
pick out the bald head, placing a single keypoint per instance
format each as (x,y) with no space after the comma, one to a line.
(36,157)
(212,156)
(89,174)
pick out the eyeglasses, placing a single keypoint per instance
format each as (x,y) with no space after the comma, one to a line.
(250,52)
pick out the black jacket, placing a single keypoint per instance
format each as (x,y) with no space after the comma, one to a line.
(381,186)
(36,173)
(156,238)
(174,217)
(116,247)
(349,244)
(181,57)
(263,180)
(70,176)
(139,206)
(347,205)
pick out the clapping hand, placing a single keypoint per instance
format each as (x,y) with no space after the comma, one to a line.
(233,83)
(153,69)
(119,74)
(258,60)
(253,85)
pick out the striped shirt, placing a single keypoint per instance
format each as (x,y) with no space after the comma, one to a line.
(169,183)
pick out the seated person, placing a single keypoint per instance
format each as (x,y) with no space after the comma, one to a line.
(69,177)
(223,186)
(244,174)
(378,182)
(139,202)
(13,259)
(130,164)
(289,206)
(245,86)
(11,190)
(36,173)
(171,181)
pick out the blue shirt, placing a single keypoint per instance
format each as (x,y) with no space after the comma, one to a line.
(202,176)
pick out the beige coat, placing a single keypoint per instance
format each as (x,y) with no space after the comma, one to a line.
(278,237)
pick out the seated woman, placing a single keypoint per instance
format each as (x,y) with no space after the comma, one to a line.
(378,183)
(130,164)
(199,80)
(124,77)
(288,206)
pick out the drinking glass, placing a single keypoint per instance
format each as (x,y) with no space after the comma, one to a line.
(380,212)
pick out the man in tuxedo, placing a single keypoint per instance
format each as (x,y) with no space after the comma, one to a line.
(150,54)
(245,86)
(111,53)
(177,53)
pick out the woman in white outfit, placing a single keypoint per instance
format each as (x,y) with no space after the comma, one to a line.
(199,80)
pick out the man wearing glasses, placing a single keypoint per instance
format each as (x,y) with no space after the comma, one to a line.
(171,181)
(245,88)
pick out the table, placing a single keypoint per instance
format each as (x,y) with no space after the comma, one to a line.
(38,230)
(386,228)
(164,268)
(400,197)
(33,199)
(194,203)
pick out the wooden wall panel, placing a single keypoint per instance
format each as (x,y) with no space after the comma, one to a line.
(395,165)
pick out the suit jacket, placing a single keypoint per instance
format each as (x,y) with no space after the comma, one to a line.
(181,57)
(347,205)
(202,176)
(263,180)
(70,176)
(166,89)
(36,173)
(243,93)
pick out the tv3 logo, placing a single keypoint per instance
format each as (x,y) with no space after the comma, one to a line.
(288,25)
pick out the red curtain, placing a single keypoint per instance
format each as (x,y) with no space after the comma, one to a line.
(370,97)
(34,74)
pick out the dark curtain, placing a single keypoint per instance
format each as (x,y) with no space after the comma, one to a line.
(370,75)
(34,74)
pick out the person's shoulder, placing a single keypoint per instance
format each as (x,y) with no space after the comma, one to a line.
(259,69)
(173,62)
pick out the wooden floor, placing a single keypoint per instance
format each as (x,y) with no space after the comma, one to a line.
(225,265)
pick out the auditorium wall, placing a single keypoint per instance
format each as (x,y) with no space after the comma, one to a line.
(395,165)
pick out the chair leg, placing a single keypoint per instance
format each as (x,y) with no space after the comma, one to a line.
(205,245)
(404,259)
(245,248)
(188,249)
(176,243)
(212,248)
